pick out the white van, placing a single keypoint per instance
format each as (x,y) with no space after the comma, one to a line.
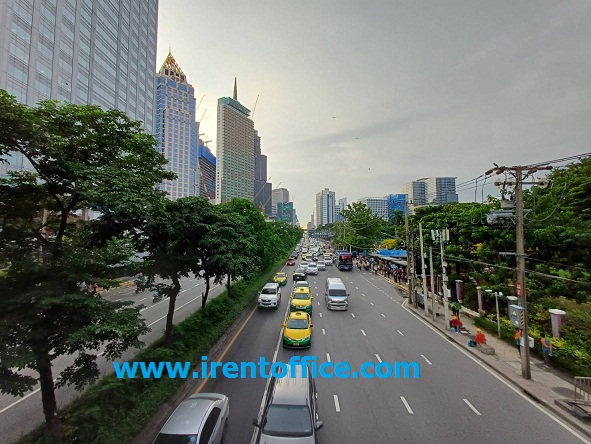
(270,295)
(336,295)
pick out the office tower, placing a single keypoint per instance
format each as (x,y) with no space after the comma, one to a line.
(235,153)
(176,129)
(324,210)
(342,205)
(206,165)
(396,202)
(440,190)
(378,206)
(80,51)
(285,212)
(278,195)
(262,189)
(416,191)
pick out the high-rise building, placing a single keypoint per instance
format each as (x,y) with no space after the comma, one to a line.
(440,190)
(324,210)
(285,212)
(378,206)
(278,195)
(416,191)
(342,205)
(176,129)
(262,189)
(206,166)
(80,51)
(235,153)
(396,202)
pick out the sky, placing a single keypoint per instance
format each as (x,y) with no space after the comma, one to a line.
(364,96)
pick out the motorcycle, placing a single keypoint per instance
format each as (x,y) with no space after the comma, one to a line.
(157,297)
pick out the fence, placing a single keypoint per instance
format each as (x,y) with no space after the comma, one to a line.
(583,390)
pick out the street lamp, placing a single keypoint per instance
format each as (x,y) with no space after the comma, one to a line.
(496,295)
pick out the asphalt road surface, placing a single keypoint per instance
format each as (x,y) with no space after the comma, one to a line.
(455,400)
(19,415)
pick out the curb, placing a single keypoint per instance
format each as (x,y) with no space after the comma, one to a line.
(556,411)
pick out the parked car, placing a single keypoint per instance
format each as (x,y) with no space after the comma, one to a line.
(200,418)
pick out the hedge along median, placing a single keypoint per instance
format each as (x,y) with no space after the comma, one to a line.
(115,410)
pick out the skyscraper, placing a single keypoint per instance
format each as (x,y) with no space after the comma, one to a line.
(80,51)
(235,153)
(278,195)
(378,206)
(440,190)
(206,165)
(176,129)
(324,210)
(416,191)
(262,189)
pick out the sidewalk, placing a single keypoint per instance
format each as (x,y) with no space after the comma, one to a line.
(549,387)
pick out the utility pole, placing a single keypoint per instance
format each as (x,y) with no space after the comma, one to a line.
(408,254)
(432,284)
(520,172)
(443,236)
(424,274)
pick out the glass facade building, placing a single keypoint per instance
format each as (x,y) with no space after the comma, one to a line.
(207,166)
(80,51)
(176,129)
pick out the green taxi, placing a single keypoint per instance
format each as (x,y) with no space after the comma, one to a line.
(301,300)
(297,330)
(280,278)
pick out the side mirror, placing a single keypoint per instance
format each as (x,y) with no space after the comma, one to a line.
(319,425)
(256,423)
(311,325)
(348,295)
(285,325)
(325,294)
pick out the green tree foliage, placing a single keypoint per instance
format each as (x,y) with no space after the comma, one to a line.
(82,157)
(364,225)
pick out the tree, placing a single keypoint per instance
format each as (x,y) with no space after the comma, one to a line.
(173,237)
(364,225)
(82,157)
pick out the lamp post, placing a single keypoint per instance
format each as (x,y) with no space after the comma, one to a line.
(496,295)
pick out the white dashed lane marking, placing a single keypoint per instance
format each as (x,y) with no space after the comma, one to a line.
(406,405)
(337,406)
(363,332)
(472,407)
(428,362)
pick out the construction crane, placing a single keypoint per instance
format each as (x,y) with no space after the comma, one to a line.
(203,115)
(200,103)
(255,108)
(262,188)
(262,206)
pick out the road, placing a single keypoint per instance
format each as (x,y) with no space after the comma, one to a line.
(19,415)
(456,398)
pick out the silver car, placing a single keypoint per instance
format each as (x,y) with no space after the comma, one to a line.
(312,268)
(321,265)
(200,418)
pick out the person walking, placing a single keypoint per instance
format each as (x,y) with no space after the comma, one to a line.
(546,348)
(518,339)
(455,308)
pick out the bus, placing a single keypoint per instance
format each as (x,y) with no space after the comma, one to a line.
(344,260)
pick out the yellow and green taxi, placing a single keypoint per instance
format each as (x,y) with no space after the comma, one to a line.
(301,300)
(297,330)
(280,278)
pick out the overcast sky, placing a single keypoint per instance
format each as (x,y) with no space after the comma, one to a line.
(363,96)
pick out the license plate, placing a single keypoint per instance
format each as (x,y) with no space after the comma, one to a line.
(296,343)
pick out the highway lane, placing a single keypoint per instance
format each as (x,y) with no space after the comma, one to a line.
(19,415)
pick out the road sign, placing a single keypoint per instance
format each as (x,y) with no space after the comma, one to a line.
(517,316)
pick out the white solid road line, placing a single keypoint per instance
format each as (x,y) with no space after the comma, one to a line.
(352,315)
(428,362)
(500,378)
(400,332)
(178,308)
(472,407)
(323,332)
(363,332)
(337,406)
(406,405)
(328,358)
(142,299)
(378,358)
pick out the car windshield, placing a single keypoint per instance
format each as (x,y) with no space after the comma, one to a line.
(299,270)
(269,291)
(302,284)
(338,292)
(288,420)
(303,263)
(298,324)
(301,296)
(280,275)
(165,438)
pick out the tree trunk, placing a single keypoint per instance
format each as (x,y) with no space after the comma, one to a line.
(206,294)
(170,315)
(228,286)
(52,420)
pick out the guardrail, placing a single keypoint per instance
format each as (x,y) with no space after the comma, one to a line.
(583,390)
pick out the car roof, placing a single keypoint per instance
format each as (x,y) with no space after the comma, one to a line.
(187,418)
(280,273)
(271,285)
(298,315)
(291,391)
(302,289)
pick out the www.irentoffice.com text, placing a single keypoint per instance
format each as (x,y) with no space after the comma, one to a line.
(265,369)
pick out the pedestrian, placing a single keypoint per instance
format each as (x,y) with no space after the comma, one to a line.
(480,338)
(546,348)
(518,339)
(455,308)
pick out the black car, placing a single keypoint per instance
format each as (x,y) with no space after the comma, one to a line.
(299,275)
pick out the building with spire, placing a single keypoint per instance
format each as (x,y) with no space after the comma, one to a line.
(235,150)
(176,129)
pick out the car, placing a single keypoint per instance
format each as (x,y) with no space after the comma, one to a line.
(291,261)
(280,278)
(321,265)
(298,284)
(270,296)
(299,274)
(297,330)
(304,264)
(200,418)
(301,300)
(312,268)
(289,414)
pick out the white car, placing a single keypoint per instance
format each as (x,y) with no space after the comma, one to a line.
(304,264)
(312,268)
(321,265)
